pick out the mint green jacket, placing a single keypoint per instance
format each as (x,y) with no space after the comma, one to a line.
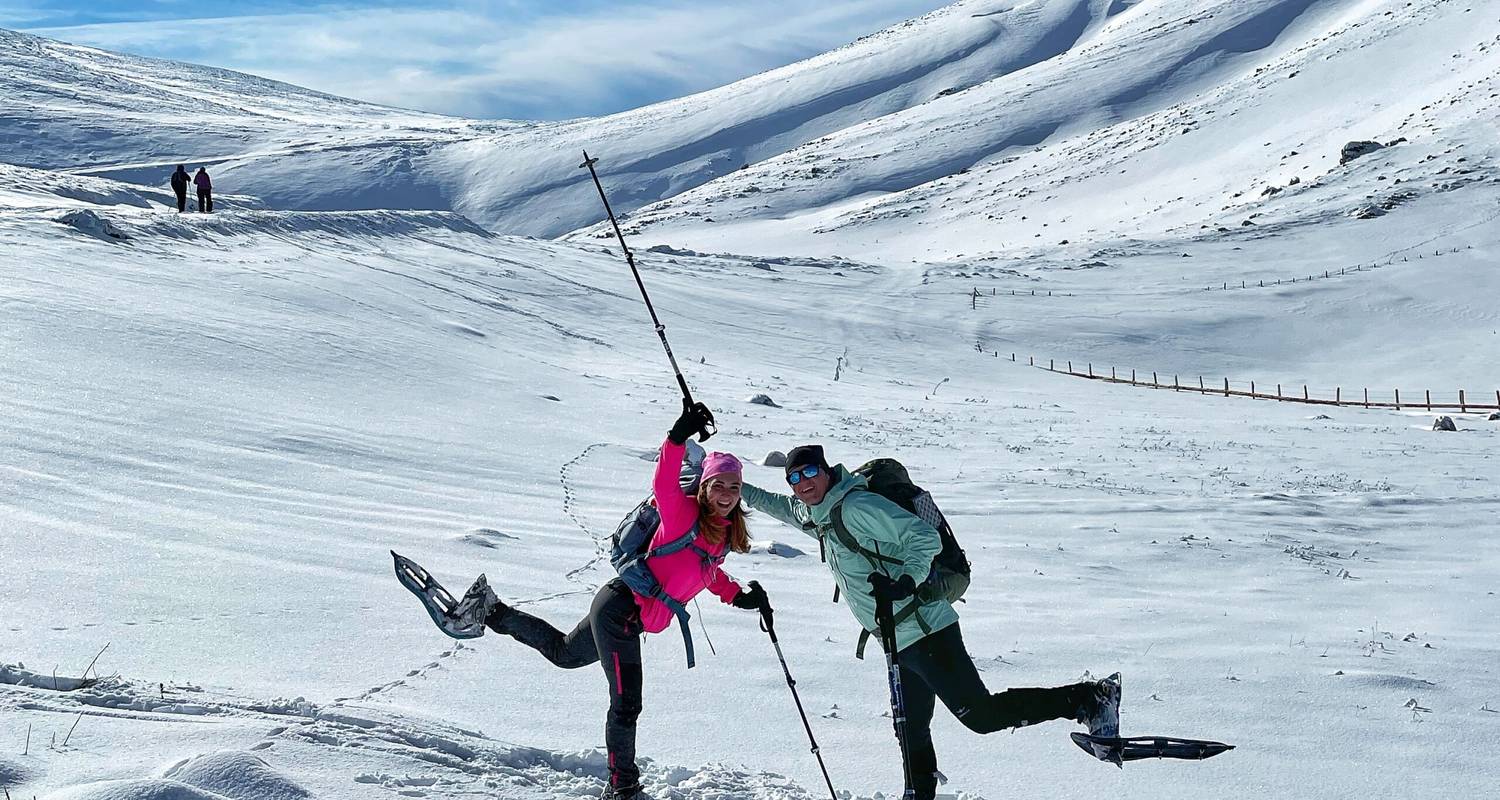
(875,523)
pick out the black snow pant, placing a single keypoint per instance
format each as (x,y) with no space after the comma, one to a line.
(181,200)
(205,200)
(609,635)
(938,666)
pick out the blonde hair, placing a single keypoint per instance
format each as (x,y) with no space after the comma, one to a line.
(733,529)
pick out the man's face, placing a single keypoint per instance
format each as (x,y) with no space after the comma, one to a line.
(810,488)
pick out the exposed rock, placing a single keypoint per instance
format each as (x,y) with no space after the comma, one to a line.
(764,400)
(780,549)
(1444,423)
(775,458)
(1360,149)
(1367,212)
(88,222)
(1495,417)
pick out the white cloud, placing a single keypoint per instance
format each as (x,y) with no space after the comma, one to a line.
(471,63)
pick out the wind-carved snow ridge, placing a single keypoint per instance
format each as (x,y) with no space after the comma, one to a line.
(413,757)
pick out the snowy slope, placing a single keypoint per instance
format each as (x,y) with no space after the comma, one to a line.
(1173,118)
(218,426)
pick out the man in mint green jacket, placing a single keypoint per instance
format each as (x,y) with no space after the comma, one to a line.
(933,660)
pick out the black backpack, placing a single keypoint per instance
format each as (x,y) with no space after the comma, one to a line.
(950,574)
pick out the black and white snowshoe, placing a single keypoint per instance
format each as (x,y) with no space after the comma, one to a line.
(1117,750)
(461,619)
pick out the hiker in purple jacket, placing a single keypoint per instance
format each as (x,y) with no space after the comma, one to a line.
(205,190)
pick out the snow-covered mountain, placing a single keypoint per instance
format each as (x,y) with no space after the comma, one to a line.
(959,121)
(300,149)
(214,427)
(1170,119)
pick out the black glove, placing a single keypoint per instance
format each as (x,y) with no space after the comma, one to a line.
(885,588)
(753,599)
(695,419)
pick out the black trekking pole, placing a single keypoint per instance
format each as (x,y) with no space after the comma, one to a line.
(770,629)
(885,620)
(661,330)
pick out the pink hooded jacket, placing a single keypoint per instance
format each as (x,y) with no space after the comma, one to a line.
(682,575)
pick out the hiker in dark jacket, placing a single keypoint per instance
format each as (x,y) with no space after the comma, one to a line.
(180,182)
(886,552)
(205,190)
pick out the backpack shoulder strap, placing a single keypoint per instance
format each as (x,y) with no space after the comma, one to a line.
(841,532)
(679,544)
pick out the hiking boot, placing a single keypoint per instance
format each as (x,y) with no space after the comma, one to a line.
(631,792)
(476,606)
(1101,709)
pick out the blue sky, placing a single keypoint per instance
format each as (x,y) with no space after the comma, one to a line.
(517,59)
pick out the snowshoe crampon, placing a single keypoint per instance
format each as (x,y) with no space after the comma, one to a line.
(1118,750)
(439,603)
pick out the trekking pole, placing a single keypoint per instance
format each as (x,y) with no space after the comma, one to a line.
(885,620)
(661,330)
(770,629)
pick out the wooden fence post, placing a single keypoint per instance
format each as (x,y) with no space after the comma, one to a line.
(1278,391)
(1252,390)
(1304,392)
(1070,368)
(1429,399)
(1497,398)
(1031,361)
(1132,377)
(1367,397)
(1398,399)
(1338,395)
(1091,369)
(1200,384)
(1177,387)
(1051,365)
(1154,382)
(1112,373)
(1463,405)
(1226,387)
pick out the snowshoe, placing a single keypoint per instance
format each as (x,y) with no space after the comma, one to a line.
(458,619)
(1118,750)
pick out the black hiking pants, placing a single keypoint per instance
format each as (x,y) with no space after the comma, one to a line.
(181,199)
(609,635)
(938,667)
(205,200)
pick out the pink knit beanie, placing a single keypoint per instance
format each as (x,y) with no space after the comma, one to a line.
(715,464)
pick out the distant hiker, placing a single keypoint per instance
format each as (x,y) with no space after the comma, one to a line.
(180,180)
(205,190)
(695,532)
(879,551)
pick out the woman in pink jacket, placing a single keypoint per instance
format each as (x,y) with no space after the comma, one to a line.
(610,634)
